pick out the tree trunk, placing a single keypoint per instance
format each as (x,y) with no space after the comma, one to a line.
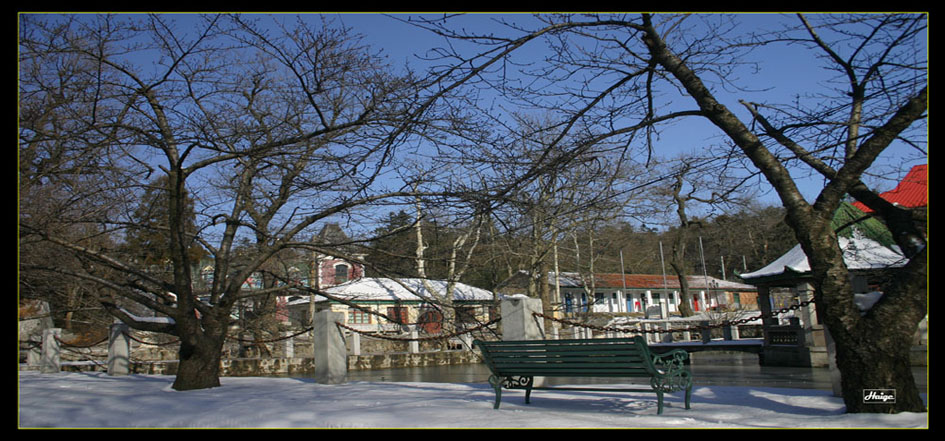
(872,348)
(199,363)
(677,263)
(547,300)
(685,297)
(885,366)
(875,354)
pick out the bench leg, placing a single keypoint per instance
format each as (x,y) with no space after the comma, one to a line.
(496,384)
(688,395)
(659,405)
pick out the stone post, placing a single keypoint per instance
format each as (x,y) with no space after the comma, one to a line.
(414,346)
(518,323)
(808,314)
(289,346)
(668,332)
(119,350)
(355,344)
(331,358)
(50,361)
(706,332)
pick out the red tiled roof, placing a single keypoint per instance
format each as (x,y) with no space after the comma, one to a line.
(911,192)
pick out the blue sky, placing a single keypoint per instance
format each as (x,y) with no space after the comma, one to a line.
(786,71)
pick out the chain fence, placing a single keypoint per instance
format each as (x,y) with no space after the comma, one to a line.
(75,347)
(699,328)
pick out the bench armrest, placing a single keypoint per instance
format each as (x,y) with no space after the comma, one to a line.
(671,361)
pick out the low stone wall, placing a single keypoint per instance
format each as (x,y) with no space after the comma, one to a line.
(297,366)
(403,359)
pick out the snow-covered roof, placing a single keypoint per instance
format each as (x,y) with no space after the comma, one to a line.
(859,253)
(385,289)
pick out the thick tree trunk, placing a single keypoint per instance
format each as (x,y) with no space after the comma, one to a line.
(867,366)
(873,348)
(199,366)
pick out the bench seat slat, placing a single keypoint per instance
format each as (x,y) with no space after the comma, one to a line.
(565,353)
(579,373)
(568,351)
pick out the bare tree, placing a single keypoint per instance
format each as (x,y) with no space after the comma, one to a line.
(701,182)
(627,74)
(268,125)
(270,128)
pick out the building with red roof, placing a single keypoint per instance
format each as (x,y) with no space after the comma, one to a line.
(633,293)
(912,192)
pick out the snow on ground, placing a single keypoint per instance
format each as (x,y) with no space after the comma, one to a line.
(96,400)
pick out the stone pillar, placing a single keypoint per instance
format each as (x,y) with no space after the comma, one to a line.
(813,330)
(355,344)
(50,361)
(331,358)
(414,344)
(289,346)
(119,350)
(668,333)
(518,323)
(808,314)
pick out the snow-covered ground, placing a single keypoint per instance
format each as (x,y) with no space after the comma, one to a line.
(95,400)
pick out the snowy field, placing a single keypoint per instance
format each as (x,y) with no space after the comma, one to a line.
(95,400)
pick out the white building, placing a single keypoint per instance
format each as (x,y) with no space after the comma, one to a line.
(633,293)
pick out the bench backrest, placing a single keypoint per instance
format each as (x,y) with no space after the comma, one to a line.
(613,357)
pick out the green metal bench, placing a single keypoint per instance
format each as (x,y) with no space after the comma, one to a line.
(514,364)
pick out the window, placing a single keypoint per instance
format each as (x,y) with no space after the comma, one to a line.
(397,314)
(431,321)
(341,273)
(358,317)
